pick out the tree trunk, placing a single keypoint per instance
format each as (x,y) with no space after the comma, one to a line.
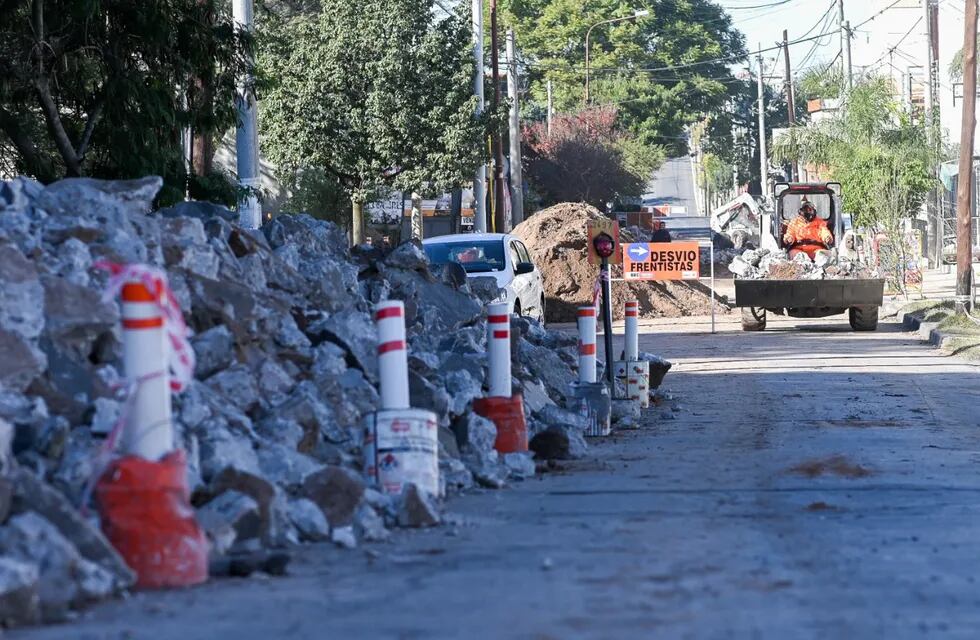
(357,220)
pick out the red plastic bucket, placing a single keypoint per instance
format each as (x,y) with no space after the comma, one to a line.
(508,416)
(147,516)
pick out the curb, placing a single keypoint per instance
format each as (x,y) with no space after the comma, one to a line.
(926,330)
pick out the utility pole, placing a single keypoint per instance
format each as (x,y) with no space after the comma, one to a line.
(964,257)
(480,180)
(933,205)
(496,144)
(516,171)
(247,133)
(845,44)
(790,101)
(763,150)
(551,107)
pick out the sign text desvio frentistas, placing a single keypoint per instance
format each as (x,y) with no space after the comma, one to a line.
(662,261)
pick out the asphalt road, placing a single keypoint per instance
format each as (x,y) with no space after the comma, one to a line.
(673,184)
(810,483)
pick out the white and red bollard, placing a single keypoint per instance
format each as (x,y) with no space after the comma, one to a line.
(631,371)
(401,444)
(498,350)
(586,345)
(632,314)
(502,406)
(143,497)
(588,397)
(389,318)
(149,425)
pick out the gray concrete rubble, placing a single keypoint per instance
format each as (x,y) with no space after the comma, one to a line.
(286,372)
(764,264)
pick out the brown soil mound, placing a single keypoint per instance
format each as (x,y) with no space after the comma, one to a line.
(557,237)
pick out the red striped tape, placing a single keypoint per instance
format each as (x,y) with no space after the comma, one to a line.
(501,335)
(498,319)
(388,312)
(142,323)
(631,314)
(394,345)
(586,313)
(586,349)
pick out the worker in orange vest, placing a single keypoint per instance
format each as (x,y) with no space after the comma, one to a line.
(807,233)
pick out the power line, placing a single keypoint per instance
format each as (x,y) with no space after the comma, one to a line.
(891,50)
(687,65)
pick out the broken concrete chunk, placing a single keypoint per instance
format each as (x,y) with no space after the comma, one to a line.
(337,491)
(67,580)
(309,520)
(20,602)
(416,508)
(229,518)
(31,494)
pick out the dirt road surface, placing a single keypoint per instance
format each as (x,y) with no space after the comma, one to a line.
(812,483)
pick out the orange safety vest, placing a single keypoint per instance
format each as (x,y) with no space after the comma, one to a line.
(801,231)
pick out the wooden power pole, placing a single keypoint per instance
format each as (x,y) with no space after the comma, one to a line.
(790,101)
(496,144)
(964,210)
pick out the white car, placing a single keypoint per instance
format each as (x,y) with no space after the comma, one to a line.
(501,256)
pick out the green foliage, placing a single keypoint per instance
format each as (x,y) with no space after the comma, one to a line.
(717,173)
(373,93)
(94,87)
(319,194)
(873,149)
(654,106)
(821,83)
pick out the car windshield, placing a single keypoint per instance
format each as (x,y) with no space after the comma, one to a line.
(475,256)
(793,202)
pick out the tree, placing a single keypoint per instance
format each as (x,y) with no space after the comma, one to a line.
(97,87)
(376,93)
(585,159)
(675,39)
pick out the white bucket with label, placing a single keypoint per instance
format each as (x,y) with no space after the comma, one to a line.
(401,446)
(638,382)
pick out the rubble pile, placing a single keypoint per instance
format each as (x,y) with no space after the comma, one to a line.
(286,369)
(557,239)
(763,264)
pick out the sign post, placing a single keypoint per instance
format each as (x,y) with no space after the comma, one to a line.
(604,249)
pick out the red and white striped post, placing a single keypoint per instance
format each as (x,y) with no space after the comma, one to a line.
(389,317)
(148,432)
(632,331)
(586,345)
(498,349)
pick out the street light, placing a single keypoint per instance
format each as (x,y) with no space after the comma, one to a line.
(588,34)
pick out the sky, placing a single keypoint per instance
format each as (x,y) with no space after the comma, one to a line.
(763,21)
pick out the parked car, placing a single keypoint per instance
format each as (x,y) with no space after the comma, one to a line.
(498,255)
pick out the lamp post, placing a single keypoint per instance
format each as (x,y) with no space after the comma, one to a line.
(588,35)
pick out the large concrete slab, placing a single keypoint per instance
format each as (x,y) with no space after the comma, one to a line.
(710,522)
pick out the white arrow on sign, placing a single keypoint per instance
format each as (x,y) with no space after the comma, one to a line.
(638,252)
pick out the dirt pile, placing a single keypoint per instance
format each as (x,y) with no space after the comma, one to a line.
(557,239)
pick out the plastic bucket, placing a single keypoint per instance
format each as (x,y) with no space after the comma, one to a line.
(146,515)
(507,414)
(638,382)
(591,399)
(401,446)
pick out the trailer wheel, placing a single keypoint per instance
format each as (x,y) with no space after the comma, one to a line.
(753,319)
(863,318)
